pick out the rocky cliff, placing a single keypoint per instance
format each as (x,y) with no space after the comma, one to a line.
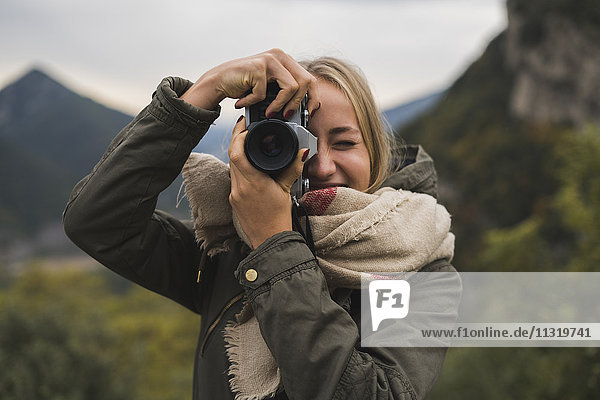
(553,48)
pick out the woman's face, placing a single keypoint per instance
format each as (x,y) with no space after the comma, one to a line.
(342,159)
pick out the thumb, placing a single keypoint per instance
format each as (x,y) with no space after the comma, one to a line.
(289,175)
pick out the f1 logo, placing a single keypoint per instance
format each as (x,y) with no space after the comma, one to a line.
(389,299)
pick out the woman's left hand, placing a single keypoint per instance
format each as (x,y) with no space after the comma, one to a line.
(262,204)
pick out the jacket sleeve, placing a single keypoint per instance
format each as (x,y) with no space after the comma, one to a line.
(111,212)
(315,341)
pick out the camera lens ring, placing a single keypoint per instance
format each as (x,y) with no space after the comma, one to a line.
(271,145)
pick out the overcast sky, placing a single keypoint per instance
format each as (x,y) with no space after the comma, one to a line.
(116,51)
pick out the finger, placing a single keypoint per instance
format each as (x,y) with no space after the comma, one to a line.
(235,151)
(234,173)
(238,160)
(306,84)
(314,101)
(287,178)
(259,92)
(239,126)
(287,85)
(294,104)
(237,176)
(306,81)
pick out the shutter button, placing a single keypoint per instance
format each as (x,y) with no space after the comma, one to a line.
(251,275)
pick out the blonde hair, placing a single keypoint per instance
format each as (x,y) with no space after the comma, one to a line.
(381,146)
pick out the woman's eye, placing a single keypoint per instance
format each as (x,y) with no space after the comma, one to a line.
(344,144)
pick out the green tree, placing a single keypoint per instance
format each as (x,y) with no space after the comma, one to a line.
(578,200)
(565,233)
(45,356)
(562,235)
(141,344)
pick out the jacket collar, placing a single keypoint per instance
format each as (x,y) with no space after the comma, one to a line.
(417,172)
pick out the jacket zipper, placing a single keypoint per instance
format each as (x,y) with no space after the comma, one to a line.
(218,319)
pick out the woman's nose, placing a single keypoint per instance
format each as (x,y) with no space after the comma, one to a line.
(321,166)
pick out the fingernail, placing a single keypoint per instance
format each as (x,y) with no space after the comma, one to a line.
(305,154)
(240,118)
(288,114)
(270,114)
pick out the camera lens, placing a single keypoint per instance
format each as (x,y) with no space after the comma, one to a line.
(271,145)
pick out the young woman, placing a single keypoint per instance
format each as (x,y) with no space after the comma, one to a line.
(306,341)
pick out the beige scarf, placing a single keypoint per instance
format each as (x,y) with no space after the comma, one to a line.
(354,232)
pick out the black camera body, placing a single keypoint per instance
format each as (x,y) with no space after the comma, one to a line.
(272,143)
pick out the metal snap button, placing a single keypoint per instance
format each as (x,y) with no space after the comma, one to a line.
(251,275)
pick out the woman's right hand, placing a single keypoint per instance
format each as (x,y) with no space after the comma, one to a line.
(246,79)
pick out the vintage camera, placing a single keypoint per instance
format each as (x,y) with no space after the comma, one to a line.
(272,143)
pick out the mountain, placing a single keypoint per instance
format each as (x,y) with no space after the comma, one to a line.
(403,114)
(56,124)
(50,137)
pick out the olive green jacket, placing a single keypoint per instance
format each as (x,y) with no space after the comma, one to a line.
(314,339)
